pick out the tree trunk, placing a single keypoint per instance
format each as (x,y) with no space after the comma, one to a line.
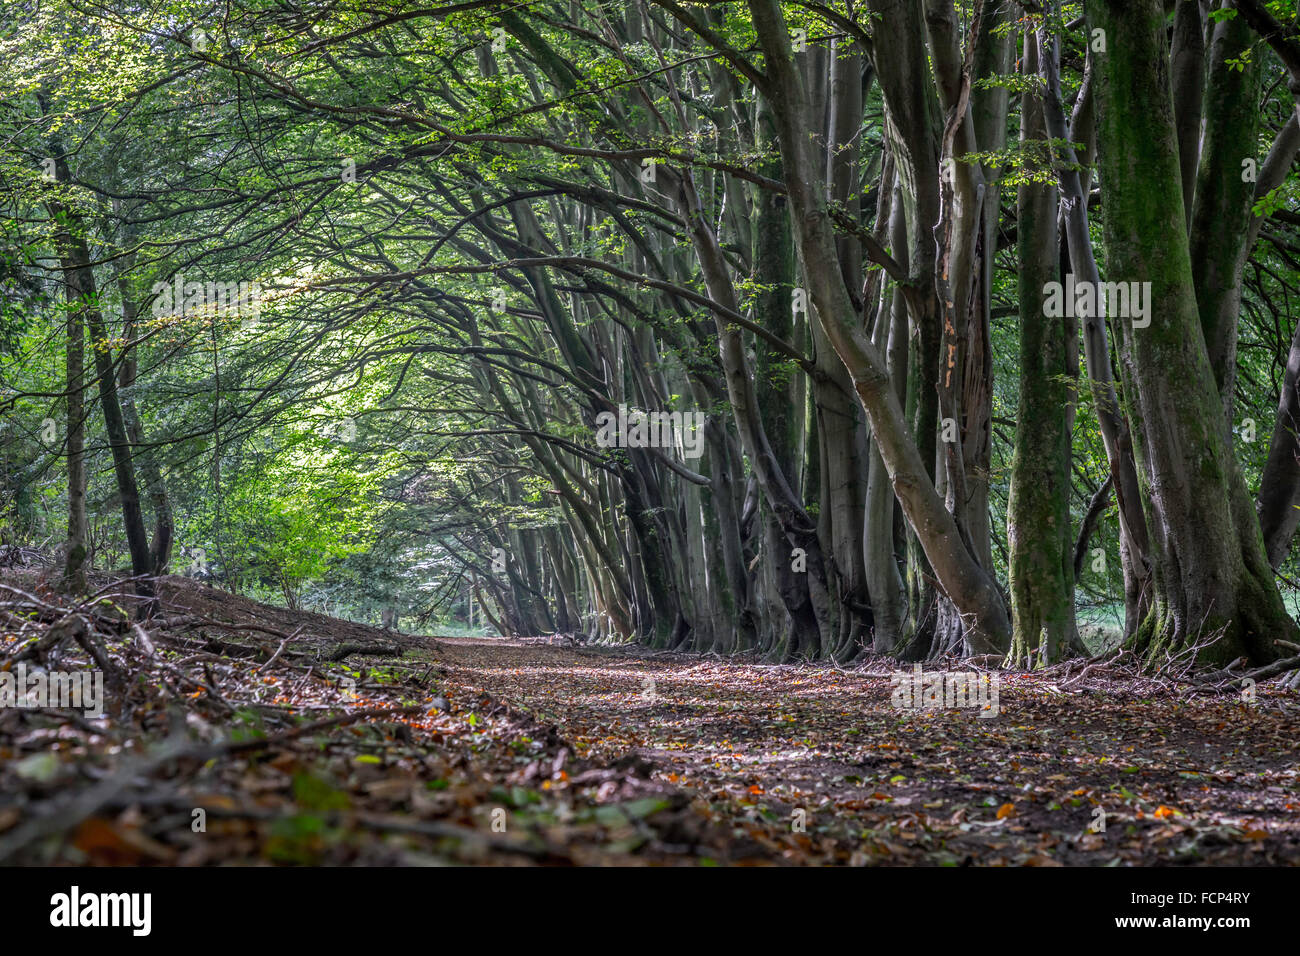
(1210,572)
(969,586)
(803,584)
(884,582)
(1038,507)
(164,530)
(1222,214)
(74,558)
(1115,431)
(83,297)
(1278,504)
(1187,66)
(913,126)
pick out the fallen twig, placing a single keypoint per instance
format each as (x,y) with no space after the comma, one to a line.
(280,650)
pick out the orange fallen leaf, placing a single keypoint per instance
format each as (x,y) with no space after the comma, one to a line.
(1006,810)
(107,843)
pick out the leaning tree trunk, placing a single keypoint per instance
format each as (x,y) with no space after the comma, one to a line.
(83,297)
(1210,572)
(1278,503)
(913,125)
(1279,485)
(970,587)
(164,530)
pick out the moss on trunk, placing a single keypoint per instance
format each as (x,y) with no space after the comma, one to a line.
(1210,575)
(1038,513)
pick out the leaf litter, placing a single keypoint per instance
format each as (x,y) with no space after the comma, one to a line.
(238,733)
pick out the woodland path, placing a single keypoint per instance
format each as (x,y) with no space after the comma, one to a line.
(1205,780)
(415,749)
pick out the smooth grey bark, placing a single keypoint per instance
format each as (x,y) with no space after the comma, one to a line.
(965,359)
(957,233)
(913,126)
(884,580)
(1221,219)
(842,432)
(1187,67)
(994,55)
(804,591)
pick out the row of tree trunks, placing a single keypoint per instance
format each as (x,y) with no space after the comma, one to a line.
(970,587)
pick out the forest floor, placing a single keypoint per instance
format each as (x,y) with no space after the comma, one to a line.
(231,737)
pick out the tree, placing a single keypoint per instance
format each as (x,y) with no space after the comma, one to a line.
(1211,573)
(1038,516)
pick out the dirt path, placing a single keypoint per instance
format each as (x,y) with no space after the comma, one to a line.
(1179,781)
(525,752)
